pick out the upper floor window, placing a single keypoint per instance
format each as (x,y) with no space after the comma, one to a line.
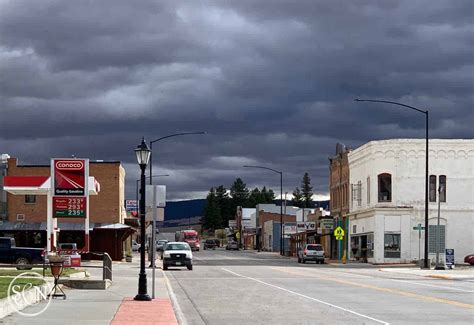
(368,190)
(385,187)
(30,199)
(432,188)
(442,188)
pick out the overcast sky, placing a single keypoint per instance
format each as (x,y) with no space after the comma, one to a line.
(271,82)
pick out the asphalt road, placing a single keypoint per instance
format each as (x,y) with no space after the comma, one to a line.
(247,288)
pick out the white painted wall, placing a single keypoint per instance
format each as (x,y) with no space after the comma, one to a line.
(404,159)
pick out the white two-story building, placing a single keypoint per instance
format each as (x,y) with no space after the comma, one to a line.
(388,199)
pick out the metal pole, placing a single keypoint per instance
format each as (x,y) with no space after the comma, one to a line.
(142,282)
(151,162)
(419,242)
(426,263)
(153,244)
(282,240)
(438,233)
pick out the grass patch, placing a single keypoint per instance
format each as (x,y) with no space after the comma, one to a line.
(22,282)
(14,272)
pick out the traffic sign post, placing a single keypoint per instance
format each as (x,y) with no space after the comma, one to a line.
(419,228)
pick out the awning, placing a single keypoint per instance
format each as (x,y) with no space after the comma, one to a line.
(38,185)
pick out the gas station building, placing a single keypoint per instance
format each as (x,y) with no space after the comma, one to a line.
(24,217)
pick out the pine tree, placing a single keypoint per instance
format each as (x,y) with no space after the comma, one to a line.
(225,205)
(254,197)
(212,215)
(306,191)
(267,195)
(297,198)
(239,193)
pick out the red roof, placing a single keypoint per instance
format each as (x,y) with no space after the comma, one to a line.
(24,181)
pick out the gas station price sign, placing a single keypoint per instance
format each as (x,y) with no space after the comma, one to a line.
(69,207)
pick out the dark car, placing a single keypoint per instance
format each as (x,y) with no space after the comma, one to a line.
(469,259)
(160,244)
(210,244)
(21,256)
(232,245)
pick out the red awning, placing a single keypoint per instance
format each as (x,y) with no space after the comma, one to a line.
(24,181)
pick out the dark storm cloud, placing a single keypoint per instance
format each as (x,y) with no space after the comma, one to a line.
(271,82)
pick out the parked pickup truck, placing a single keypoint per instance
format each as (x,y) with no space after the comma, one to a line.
(21,256)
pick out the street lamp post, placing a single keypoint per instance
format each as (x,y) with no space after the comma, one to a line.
(425,262)
(162,138)
(282,251)
(143,156)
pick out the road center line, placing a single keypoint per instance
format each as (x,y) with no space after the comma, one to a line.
(394,291)
(397,280)
(307,297)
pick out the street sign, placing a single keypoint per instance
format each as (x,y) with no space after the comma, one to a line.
(67,207)
(449,257)
(232,223)
(339,233)
(419,227)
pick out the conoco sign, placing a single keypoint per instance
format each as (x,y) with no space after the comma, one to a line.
(69,177)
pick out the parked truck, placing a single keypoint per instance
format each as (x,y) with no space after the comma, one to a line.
(21,256)
(189,236)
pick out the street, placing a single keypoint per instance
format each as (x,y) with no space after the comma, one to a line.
(231,287)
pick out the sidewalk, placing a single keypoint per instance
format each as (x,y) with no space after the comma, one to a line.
(102,306)
(462,273)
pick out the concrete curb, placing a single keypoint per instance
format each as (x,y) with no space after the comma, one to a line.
(31,297)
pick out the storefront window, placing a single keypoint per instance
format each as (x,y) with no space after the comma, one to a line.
(370,245)
(392,246)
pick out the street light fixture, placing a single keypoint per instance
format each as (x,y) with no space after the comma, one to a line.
(143,154)
(425,262)
(282,250)
(162,138)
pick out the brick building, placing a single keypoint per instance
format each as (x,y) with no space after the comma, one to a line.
(339,187)
(25,217)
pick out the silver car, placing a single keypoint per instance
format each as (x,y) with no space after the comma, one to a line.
(311,252)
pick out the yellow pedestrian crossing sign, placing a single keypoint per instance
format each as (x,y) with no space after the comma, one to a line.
(339,233)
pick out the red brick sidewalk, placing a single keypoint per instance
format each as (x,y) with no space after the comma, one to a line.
(158,311)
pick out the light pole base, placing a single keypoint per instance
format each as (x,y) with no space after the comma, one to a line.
(439,267)
(142,297)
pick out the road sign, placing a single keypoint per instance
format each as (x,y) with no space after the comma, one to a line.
(449,257)
(339,233)
(419,227)
(232,223)
(67,207)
